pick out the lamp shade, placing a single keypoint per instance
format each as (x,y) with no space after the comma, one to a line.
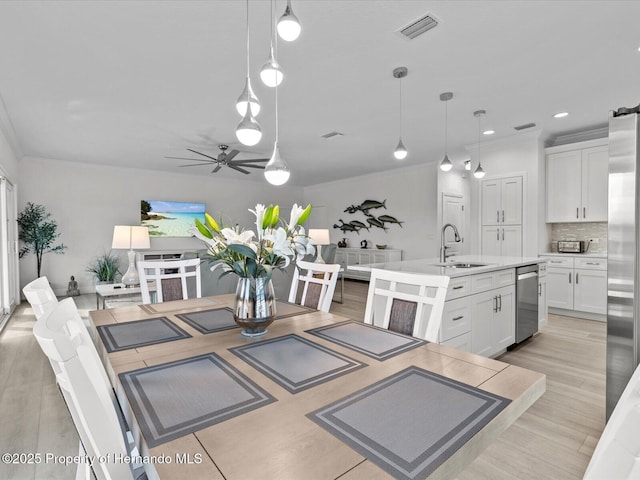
(319,236)
(129,237)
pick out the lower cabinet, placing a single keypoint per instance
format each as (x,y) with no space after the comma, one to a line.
(502,240)
(479,314)
(543,315)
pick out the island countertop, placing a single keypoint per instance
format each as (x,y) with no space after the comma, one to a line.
(430,266)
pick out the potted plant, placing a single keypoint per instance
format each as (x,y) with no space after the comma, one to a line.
(105,267)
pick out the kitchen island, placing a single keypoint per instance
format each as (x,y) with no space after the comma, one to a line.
(480,309)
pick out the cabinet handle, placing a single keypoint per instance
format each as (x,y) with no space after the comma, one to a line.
(578,212)
(500,300)
(497,234)
(503,234)
(460,317)
(577,277)
(495,303)
(593,263)
(584,212)
(539,289)
(569,277)
(502,216)
(555,261)
(458,287)
(498,216)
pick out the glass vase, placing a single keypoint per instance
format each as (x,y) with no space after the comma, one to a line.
(255,306)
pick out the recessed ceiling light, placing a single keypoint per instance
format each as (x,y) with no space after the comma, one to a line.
(560,114)
(488,132)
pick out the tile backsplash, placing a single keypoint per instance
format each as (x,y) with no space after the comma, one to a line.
(580,231)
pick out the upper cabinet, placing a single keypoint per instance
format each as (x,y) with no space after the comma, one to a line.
(577,182)
(502,201)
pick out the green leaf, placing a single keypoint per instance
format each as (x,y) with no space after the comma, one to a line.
(242,250)
(203,230)
(304,216)
(211,222)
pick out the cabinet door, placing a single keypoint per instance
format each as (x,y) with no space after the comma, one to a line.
(483,306)
(341,259)
(511,238)
(504,320)
(542,302)
(511,201)
(491,203)
(595,183)
(491,240)
(379,257)
(590,291)
(564,186)
(560,288)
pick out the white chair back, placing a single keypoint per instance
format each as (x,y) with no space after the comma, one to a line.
(406,303)
(170,279)
(83,383)
(319,280)
(40,295)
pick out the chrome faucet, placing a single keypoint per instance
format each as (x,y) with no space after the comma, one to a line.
(443,248)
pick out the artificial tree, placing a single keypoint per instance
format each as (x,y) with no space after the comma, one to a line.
(38,233)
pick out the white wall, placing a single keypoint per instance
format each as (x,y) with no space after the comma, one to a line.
(88,200)
(411,196)
(520,154)
(8,160)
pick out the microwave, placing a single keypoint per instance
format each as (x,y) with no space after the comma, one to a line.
(571,246)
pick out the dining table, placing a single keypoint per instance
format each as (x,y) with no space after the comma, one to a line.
(319,396)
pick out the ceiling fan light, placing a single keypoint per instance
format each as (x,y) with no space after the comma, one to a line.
(247,93)
(288,26)
(479,172)
(271,73)
(446,164)
(248,131)
(400,152)
(276,171)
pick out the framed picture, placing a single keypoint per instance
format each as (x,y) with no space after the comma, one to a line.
(170,219)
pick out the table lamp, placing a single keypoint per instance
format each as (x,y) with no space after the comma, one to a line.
(129,237)
(319,237)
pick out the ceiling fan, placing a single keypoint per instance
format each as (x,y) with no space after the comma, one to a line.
(223,159)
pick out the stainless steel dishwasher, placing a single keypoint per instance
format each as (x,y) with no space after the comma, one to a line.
(527,303)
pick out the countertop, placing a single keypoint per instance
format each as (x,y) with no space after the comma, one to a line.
(427,265)
(593,255)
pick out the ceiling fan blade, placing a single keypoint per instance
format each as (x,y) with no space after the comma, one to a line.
(197,164)
(231,154)
(252,160)
(237,164)
(190,159)
(203,154)
(215,170)
(239,169)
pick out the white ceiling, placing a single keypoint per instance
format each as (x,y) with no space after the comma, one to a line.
(128,83)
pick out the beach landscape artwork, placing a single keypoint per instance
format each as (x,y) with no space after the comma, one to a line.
(170,219)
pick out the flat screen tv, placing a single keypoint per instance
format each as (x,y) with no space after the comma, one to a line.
(170,219)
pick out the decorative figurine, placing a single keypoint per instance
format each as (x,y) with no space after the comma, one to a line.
(342,243)
(72,289)
(363,244)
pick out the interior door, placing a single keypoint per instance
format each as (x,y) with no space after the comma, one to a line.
(453,212)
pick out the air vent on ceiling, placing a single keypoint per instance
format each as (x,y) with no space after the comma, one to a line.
(332,134)
(525,126)
(419,26)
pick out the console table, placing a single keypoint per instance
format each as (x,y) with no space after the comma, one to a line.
(363,256)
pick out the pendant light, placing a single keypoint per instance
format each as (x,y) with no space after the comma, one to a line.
(271,73)
(288,26)
(276,171)
(467,164)
(400,152)
(247,95)
(479,172)
(248,131)
(446,164)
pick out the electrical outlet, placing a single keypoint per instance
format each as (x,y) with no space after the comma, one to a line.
(595,241)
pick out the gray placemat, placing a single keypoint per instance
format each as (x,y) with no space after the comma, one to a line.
(411,422)
(286,309)
(209,321)
(372,341)
(178,398)
(296,363)
(139,333)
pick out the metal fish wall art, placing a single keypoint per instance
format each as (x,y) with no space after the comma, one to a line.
(364,207)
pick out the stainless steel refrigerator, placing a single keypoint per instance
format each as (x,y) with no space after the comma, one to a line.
(623,309)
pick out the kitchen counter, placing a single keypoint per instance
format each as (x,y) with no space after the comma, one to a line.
(593,255)
(428,265)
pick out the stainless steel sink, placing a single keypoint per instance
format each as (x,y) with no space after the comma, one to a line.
(461,265)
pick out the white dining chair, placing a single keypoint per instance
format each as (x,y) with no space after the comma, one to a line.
(90,399)
(617,454)
(406,303)
(40,295)
(170,277)
(318,282)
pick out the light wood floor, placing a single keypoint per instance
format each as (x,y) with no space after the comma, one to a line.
(553,440)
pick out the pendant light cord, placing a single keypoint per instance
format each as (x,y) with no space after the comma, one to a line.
(248,69)
(446,124)
(400,107)
(276,60)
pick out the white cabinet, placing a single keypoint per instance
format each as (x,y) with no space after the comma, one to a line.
(501,217)
(543,314)
(577,182)
(360,256)
(493,320)
(578,284)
